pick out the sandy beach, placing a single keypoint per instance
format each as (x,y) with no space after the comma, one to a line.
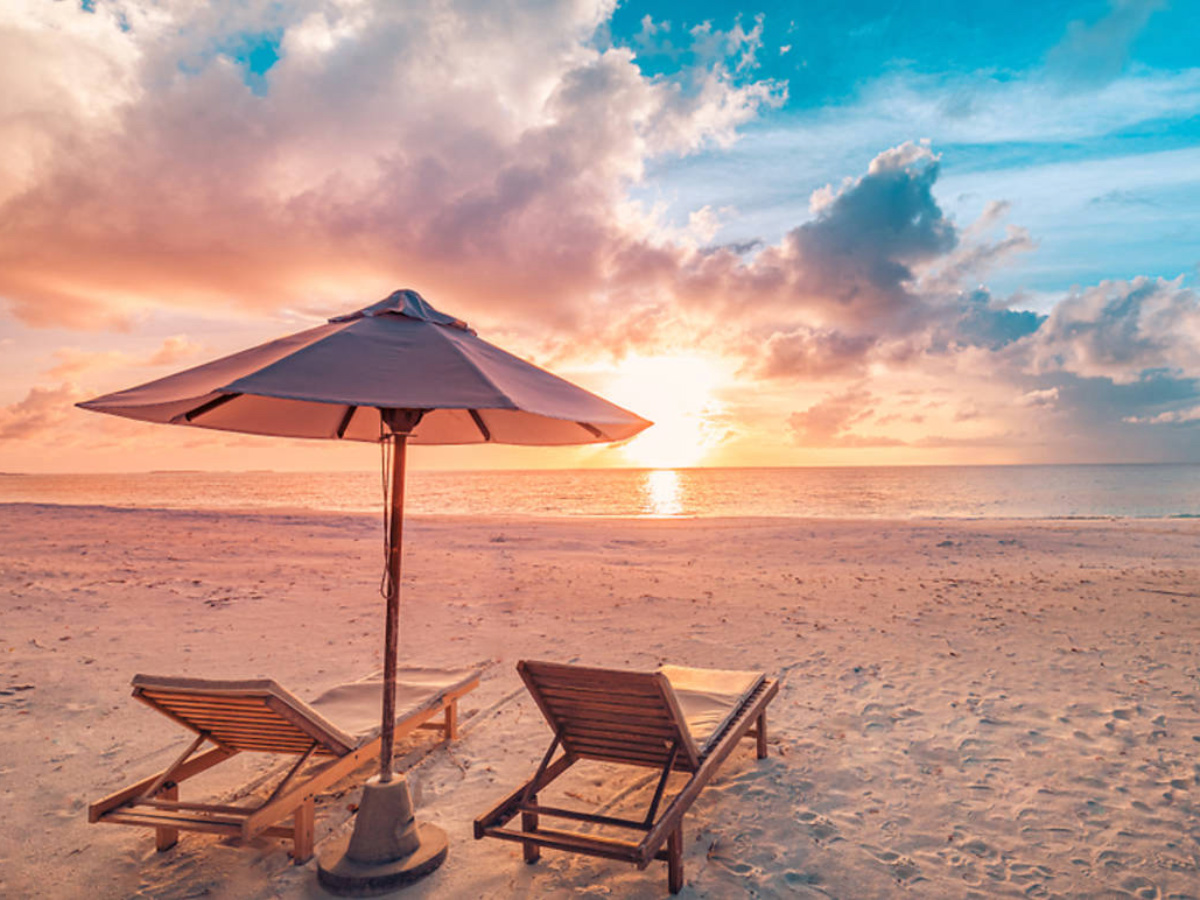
(968,708)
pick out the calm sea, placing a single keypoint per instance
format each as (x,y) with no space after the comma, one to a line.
(1136,491)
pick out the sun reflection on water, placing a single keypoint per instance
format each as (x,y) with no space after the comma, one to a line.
(663,494)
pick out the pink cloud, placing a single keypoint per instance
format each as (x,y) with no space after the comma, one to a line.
(830,422)
(74,362)
(175,349)
(41,411)
(158,178)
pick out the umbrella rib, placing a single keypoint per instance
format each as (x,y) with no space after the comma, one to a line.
(483,429)
(192,414)
(345,423)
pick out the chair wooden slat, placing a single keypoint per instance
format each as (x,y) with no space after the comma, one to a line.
(608,712)
(644,698)
(592,728)
(256,717)
(630,718)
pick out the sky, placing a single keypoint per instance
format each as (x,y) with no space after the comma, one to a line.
(790,233)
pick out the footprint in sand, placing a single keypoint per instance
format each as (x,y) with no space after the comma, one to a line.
(799,879)
(979,848)
(740,868)
(819,828)
(962,865)
(1141,888)
(1030,878)
(731,856)
(902,868)
(1114,860)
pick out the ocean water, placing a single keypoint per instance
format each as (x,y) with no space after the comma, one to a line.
(1133,491)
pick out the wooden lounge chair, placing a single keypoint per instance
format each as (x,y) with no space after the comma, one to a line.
(260,716)
(673,720)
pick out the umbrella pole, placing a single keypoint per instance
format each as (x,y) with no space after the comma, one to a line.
(388,847)
(392,629)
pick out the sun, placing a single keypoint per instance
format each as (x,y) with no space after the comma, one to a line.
(677,393)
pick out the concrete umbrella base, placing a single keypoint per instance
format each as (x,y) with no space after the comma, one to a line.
(387,849)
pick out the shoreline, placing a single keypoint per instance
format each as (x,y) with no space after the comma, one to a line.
(1004,708)
(299,511)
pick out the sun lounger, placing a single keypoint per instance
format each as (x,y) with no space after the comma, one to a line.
(335,734)
(672,720)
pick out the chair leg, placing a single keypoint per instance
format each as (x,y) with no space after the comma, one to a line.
(761,729)
(303,821)
(166,838)
(675,860)
(529,822)
(450,728)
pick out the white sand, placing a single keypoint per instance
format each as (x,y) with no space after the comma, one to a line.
(985,709)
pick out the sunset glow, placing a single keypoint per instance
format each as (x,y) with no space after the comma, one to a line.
(784,244)
(678,394)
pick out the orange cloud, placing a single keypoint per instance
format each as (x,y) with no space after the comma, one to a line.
(41,411)
(73,362)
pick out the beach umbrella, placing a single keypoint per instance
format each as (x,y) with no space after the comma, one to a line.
(397,372)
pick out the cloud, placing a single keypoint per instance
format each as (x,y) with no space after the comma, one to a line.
(944,441)
(1170,417)
(1095,53)
(855,260)
(828,423)
(1124,198)
(141,167)
(1124,331)
(175,349)
(874,278)
(982,322)
(737,44)
(850,269)
(976,255)
(1046,397)
(73,362)
(812,354)
(42,411)
(1050,385)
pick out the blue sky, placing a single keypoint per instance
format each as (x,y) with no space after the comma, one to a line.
(1085,117)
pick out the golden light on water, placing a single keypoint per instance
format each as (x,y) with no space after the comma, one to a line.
(677,394)
(663,494)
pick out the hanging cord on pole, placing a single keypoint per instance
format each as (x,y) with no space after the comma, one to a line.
(385,476)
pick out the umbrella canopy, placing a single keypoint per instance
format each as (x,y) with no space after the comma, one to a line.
(396,371)
(332,381)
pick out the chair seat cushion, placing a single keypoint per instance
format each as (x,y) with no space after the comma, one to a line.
(709,699)
(356,706)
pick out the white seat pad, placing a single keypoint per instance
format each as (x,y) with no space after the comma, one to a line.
(356,706)
(709,698)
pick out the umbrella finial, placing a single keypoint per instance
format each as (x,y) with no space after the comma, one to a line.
(405,302)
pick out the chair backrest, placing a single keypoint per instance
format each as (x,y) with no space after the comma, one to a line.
(256,715)
(612,715)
